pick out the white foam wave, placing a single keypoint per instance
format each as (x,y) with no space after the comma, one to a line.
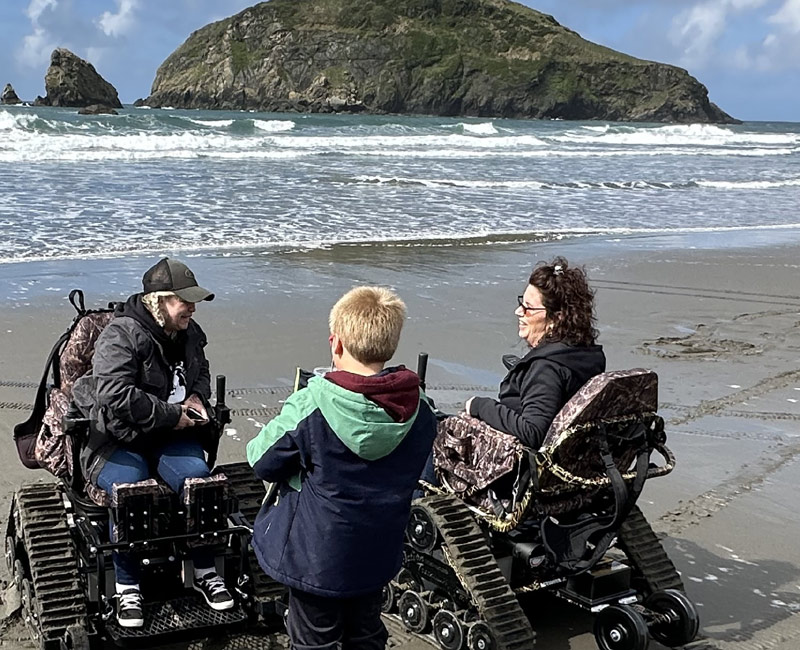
(274,126)
(28,137)
(9,121)
(577,185)
(484,128)
(212,123)
(683,134)
(33,147)
(427,238)
(522,184)
(750,185)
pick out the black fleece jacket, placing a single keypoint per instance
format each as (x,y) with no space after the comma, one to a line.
(536,387)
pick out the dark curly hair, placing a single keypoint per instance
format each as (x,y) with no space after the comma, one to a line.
(569,302)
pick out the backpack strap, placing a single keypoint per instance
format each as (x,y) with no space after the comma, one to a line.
(52,366)
(32,424)
(76,300)
(577,547)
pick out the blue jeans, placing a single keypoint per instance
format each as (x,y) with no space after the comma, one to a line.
(174,462)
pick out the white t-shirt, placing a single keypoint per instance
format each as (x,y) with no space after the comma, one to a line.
(178,393)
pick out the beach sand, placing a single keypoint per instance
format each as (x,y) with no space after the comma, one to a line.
(717,316)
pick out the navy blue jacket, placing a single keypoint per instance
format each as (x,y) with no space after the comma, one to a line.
(347,451)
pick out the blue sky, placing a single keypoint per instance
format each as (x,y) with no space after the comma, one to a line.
(747,52)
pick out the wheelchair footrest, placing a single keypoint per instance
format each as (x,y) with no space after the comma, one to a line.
(135,510)
(206,503)
(186,616)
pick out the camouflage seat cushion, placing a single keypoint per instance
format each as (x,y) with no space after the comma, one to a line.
(472,459)
(148,486)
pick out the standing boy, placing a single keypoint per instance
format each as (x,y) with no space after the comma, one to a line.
(347,451)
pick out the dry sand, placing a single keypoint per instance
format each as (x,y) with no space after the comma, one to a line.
(718,321)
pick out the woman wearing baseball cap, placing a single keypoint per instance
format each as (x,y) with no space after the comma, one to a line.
(149,376)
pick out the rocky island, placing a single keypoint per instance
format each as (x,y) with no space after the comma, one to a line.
(71,81)
(483,58)
(9,96)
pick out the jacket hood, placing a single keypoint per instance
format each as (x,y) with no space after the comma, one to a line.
(370,415)
(587,360)
(134,308)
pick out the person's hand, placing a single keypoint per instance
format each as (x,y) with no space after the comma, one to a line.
(194,401)
(468,404)
(185,420)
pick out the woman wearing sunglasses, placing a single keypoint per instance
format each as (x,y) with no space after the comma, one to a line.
(556,319)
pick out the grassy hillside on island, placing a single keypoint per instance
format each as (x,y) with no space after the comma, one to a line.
(485,58)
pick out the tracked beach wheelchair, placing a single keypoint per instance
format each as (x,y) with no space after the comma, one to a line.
(60,534)
(507,521)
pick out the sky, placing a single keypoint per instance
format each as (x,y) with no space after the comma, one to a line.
(746,52)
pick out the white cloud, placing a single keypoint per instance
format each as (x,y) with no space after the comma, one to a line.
(697,29)
(117,24)
(37,7)
(37,46)
(700,31)
(787,18)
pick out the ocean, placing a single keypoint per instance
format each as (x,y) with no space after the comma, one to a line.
(152,181)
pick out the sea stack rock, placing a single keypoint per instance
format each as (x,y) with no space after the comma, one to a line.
(71,81)
(482,58)
(9,96)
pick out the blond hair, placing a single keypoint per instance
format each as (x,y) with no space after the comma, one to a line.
(154,303)
(368,321)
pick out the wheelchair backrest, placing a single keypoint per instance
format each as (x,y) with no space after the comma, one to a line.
(614,410)
(504,481)
(40,440)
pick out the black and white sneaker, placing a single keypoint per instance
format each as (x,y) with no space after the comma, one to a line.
(129,608)
(214,591)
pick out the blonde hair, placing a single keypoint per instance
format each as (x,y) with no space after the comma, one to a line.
(368,321)
(154,303)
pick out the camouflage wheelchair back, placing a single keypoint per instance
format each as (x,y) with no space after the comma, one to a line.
(507,520)
(41,441)
(600,443)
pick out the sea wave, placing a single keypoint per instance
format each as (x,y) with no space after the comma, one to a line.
(212,123)
(522,184)
(572,185)
(484,128)
(61,136)
(751,185)
(674,134)
(274,126)
(432,238)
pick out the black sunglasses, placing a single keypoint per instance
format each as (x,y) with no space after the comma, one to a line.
(521,303)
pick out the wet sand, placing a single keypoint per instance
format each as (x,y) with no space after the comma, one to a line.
(718,317)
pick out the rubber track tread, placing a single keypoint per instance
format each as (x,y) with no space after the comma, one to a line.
(53,560)
(477,568)
(644,549)
(249,491)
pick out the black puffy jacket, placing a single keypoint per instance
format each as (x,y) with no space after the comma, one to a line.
(125,395)
(536,387)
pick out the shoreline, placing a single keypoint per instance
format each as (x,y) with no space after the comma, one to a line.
(718,321)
